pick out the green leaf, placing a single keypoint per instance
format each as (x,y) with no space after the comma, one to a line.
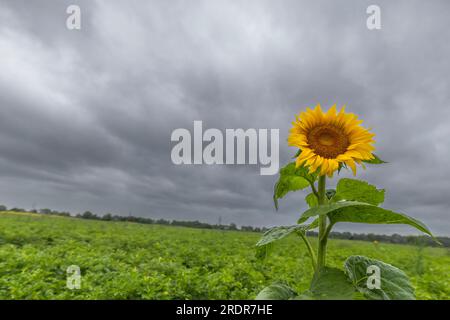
(359,212)
(325,209)
(312,201)
(276,291)
(332,284)
(263,252)
(306,295)
(375,160)
(277,233)
(357,190)
(265,244)
(394,283)
(291,179)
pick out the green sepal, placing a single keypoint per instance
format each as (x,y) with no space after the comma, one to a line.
(375,160)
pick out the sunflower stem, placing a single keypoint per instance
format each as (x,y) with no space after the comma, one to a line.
(314,190)
(322,226)
(310,250)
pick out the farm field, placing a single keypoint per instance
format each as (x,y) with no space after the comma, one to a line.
(121,260)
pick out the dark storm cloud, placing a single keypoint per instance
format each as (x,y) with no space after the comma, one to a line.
(86,116)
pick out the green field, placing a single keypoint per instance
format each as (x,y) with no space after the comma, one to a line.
(120,260)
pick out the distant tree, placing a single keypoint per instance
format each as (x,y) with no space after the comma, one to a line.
(396,238)
(162,221)
(45,211)
(3,208)
(88,215)
(63,214)
(107,217)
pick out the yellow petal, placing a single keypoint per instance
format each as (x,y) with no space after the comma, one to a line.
(324,167)
(352,165)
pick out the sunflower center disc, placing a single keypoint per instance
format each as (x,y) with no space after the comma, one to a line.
(328,141)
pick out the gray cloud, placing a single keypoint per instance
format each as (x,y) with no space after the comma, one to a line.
(86,116)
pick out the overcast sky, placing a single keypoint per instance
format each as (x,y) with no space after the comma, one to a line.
(86,115)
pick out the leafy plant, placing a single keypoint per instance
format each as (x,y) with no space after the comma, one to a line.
(122,260)
(330,142)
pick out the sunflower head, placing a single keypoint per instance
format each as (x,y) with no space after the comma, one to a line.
(331,139)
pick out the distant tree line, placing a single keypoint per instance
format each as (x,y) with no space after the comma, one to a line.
(191,224)
(394,238)
(42,211)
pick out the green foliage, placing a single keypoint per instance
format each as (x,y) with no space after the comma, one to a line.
(265,244)
(331,284)
(359,212)
(277,233)
(276,291)
(357,190)
(263,252)
(312,201)
(306,295)
(394,285)
(291,179)
(353,201)
(122,260)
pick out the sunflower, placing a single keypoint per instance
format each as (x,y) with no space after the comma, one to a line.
(329,140)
